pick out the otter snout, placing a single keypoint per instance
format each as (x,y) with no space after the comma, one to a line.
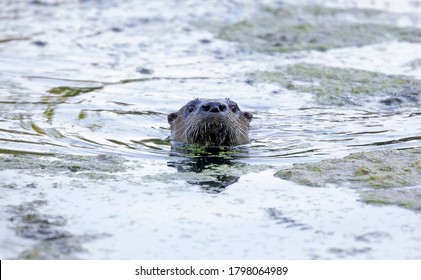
(213,107)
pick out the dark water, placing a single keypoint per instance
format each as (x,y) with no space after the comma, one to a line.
(88,78)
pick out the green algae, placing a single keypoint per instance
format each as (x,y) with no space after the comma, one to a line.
(62,248)
(200,151)
(52,241)
(32,220)
(339,86)
(61,94)
(67,92)
(409,198)
(294,28)
(385,173)
(23,153)
(378,169)
(6,40)
(213,178)
(153,143)
(51,164)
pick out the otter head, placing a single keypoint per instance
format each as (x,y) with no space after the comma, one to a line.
(210,122)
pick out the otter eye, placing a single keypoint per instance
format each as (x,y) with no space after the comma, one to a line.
(190,108)
(233,108)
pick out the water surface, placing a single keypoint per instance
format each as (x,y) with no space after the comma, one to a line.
(87,169)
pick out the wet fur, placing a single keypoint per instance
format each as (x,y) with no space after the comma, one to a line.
(210,129)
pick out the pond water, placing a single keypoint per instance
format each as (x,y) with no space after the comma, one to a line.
(87,167)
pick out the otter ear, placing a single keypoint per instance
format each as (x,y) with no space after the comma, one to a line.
(171,117)
(248,116)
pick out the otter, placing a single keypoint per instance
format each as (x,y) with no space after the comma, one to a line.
(210,122)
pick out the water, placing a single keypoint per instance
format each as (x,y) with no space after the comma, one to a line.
(89,78)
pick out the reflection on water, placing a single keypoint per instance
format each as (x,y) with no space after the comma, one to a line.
(99,77)
(218,162)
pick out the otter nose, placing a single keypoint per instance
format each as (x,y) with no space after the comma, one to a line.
(214,107)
